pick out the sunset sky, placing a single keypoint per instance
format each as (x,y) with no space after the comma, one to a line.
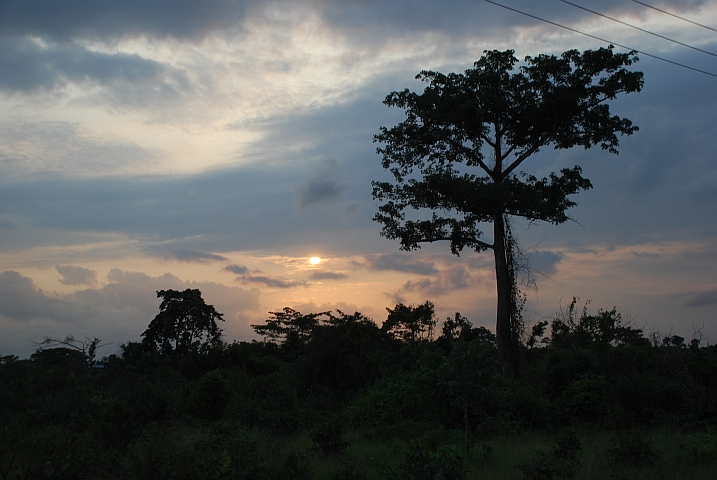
(219,145)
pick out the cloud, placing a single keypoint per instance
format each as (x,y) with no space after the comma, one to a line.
(700,299)
(183,254)
(73,275)
(117,312)
(66,148)
(29,66)
(321,275)
(114,19)
(545,262)
(399,263)
(645,254)
(238,269)
(273,282)
(321,187)
(448,281)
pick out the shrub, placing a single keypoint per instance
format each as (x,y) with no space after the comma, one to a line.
(297,467)
(328,437)
(585,399)
(702,449)
(211,396)
(427,461)
(633,450)
(561,462)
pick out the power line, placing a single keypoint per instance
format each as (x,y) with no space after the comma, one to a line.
(676,16)
(637,28)
(601,39)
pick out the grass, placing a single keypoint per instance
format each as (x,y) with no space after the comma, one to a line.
(373,455)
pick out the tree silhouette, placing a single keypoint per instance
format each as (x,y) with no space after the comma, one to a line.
(185,323)
(456,156)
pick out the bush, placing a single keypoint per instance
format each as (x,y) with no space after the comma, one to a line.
(211,396)
(427,461)
(585,399)
(328,437)
(561,462)
(633,450)
(297,467)
(702,449)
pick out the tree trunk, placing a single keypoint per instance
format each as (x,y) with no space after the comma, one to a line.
(503,328)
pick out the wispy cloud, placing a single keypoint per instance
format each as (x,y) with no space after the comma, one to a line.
(273,282)
(321,275)
(183,254)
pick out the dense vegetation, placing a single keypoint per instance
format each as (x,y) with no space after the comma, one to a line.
(332,395)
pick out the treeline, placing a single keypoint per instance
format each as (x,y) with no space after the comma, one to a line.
(203,408)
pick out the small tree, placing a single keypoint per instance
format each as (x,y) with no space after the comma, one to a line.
(457,154)
(411,323)
(185,323)
(88,348)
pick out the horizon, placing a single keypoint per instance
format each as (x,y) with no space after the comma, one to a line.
(223,146)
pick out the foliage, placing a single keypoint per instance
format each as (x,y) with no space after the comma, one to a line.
(561,462)
(211,396)
(702,448)
(633,450)
(457,153)
(183,322)
(328,437)
(411,323)
(425,460)
(288,325)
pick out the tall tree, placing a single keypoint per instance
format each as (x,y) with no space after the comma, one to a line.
(185,323)
(458,152)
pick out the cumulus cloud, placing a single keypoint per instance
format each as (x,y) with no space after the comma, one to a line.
(74,275)
(117,312)
(323,186)
(399,263)
(700,299)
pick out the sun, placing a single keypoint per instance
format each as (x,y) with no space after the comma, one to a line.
(314,260)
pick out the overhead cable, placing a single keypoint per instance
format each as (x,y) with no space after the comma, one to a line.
(601,39)
(637,28)
(676,16)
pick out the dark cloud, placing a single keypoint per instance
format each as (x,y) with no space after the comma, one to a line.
(272,282)
(544,262)
(448,281)
(645,254)
(321,187)
(321,275)
(28,66)
(238,269)
(399,263)
(700,299)
(114,19)
(74,275)
(183,254)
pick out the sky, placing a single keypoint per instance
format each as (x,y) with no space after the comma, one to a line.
(218,145)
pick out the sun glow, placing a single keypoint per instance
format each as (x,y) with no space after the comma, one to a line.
(314,260)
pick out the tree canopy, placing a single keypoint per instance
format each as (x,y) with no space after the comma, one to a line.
(458,152)
(184,323)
